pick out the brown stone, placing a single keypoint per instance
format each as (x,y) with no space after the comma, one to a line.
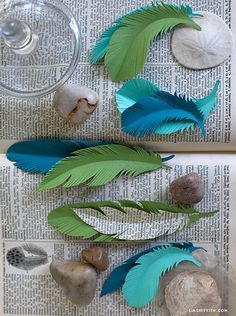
(188,189)
(78,280)
(97,257)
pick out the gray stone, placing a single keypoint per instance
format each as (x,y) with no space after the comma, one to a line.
(188,189)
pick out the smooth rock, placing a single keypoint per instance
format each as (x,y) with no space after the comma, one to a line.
(97,257)
(192,290)
(78,280)
(188,189)
(75,103)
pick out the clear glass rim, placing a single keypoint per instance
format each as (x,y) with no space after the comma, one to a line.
(66,12)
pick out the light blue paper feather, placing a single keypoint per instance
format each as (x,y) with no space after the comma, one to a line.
(117,277)
(39,156)
(141,282)
(132,91)
(136,88)
(144,118)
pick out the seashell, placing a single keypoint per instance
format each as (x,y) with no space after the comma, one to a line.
(193,291)
(206,48)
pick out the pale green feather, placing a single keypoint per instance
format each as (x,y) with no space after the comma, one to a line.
(142,281)
(128,47)
(100,165)
(69,223)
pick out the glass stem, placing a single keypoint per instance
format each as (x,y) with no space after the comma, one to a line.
(16,34)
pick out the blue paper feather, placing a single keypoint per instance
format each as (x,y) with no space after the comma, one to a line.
(135,89)
(144,118)
(117,277)
(141,282)
(39,156)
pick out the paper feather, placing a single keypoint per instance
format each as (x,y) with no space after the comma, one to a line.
(135,89)
(117,277)
(102,45)
(100,165)
(141,282)
(132,91)
(98,218)
(129,44)
(39,156)
(144,118)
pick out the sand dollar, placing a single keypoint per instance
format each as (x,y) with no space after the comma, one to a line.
(206,48)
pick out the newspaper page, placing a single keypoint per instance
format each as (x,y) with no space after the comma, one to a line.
(39,119)
(28,289)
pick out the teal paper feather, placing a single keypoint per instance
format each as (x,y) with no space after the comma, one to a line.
(144,118)
(134,89)
(141,282)
(39,156)
(117,277)
(101,47)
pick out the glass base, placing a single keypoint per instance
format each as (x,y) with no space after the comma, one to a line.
(50,57)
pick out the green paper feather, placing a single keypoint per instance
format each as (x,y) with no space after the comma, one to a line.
(102,45)
(69,223)
(141,282)
(100,165)
(129,44)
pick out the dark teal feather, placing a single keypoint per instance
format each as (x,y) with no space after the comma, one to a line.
(149,113)
(117,277)
(39,156)
(133,90)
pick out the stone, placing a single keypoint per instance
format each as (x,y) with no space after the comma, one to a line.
(193,290)
(78,280)
(188,189)
(97,257)
(75,103)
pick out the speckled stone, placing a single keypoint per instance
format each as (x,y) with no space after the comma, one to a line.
(188,189)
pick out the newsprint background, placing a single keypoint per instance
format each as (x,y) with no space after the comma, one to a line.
(24,210)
